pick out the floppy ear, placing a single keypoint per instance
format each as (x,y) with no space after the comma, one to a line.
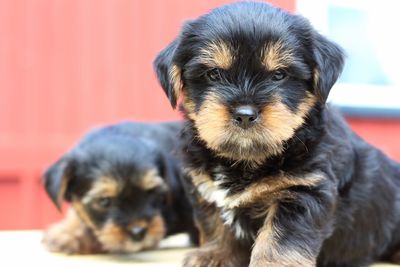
(56,180)
(329,59)
(168,73)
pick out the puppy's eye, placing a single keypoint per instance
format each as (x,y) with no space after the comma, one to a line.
(213,75)
(104,202)
(278,75)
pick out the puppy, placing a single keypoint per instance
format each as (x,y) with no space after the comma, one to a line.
(123,183)
(277,176)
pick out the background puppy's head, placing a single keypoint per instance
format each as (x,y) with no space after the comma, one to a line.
(248,74)
(117,186)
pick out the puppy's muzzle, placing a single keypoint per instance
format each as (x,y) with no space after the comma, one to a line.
(245,116)
(137,233)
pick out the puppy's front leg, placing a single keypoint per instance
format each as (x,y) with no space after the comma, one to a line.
(220,249)
(218,246)
(293,231)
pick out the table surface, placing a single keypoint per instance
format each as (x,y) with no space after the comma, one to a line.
(22,248)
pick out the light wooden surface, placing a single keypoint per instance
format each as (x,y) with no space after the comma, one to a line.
(23,248)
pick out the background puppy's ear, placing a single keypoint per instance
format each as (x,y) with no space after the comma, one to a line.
(168,73)
(57,178)
(329,59)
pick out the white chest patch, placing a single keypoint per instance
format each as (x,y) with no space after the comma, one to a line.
(213,193)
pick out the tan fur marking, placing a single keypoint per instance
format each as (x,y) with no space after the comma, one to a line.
(138,223)
(315,77)
(116,238)
(266,188)
(112,233)
(217,55)
(212,120)
(268,233)
(81,212)
(199,178)
(102,187)
(266,251)
(63,189)
(155,232)
(278,124)
(151,180)
(189,106)
(274,56)
(175,74)
(281,123)
(214,125)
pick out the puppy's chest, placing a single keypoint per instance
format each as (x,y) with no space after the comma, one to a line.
(241,206)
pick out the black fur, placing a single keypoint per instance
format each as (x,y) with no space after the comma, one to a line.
(352,216)
(163,70)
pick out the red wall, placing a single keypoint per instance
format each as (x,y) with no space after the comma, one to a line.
(66,66)
(383,133)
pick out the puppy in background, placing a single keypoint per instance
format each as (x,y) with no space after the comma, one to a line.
(123,185)
(278,179)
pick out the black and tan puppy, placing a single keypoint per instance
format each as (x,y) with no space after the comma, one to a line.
(278,178)
(123,183)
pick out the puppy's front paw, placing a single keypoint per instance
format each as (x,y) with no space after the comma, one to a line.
(57,241)
(209,257)
(62,239)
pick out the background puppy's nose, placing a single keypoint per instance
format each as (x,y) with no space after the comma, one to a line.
(245,116)
(137,233)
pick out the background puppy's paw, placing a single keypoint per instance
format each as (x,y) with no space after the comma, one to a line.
(56,240)
(64,238)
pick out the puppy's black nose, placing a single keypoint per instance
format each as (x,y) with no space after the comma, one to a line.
(245,116)
(137,233)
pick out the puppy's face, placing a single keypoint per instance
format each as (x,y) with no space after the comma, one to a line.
(248,74)
(117,191)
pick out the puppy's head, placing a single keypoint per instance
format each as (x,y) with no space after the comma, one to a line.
(118,188)
(248,75)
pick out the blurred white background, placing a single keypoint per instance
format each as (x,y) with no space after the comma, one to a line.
(368,31)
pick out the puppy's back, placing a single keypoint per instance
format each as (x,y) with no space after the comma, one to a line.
(164,135)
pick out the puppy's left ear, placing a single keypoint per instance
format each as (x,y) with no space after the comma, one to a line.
(168,73)
(329,59)
(57,178)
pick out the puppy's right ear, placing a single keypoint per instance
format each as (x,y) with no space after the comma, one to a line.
(168,73)
(329,59)
(57,178)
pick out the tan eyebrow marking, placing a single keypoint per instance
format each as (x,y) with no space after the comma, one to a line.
(275,56)
(103,187)
(217,54)
(151,180)
(175,76)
